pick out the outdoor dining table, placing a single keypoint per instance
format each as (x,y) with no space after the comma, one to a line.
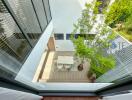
(65,62)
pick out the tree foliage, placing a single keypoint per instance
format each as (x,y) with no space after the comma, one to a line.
(101,6)
(93,49)
(119,12)
(119,17)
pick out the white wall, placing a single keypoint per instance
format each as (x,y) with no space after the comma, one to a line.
(64,45)
(92,87)
(119,97)
(64,14)
(8,94)
(29,67)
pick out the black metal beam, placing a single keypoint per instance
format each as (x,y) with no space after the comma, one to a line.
(45,11)
(68,94)
(37,16)
(15,85)
(112,90)
(50,9)
(119,87)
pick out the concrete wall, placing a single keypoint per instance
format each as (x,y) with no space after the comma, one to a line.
(64,45)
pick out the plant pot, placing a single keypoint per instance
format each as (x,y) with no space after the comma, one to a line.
(89,75)
(93,78)
(80,67)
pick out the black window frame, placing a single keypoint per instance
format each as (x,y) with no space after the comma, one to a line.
(59,36)
(68,36)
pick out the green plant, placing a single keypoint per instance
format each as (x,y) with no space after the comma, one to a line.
(100,6)
(119,17)
(96,7)
(119,11)
(93,49)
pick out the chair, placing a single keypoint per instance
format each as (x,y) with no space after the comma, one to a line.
(59,66)
(68,67)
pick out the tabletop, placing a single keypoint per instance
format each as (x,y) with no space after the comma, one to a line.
(65,60)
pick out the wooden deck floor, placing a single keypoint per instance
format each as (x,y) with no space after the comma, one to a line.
(51,74)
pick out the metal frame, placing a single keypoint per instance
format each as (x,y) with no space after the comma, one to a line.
(123,86)
(50,9)
(45,11)
(120,88)
(15,85)
(36,16)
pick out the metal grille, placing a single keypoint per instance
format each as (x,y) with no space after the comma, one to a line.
(123,69)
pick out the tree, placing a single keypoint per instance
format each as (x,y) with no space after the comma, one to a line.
(119,17)
(93,48)
(100,6)
(119,11)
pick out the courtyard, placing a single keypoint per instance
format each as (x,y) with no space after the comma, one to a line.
(51,73)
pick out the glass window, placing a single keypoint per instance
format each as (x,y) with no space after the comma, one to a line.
(14,47)
(47,9)
(76,36)
(89,36)
(68,36)
(59,36)
(27,18)
(40,12)
(82,35)
(31,17)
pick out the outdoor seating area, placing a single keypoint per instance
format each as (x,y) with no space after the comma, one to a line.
(64,68)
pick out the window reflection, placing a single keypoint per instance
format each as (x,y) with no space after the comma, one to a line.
(32,18)
(13,51)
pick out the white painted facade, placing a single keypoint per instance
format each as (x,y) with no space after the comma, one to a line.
(64,14)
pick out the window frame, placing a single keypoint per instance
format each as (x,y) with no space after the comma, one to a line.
(58,35)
